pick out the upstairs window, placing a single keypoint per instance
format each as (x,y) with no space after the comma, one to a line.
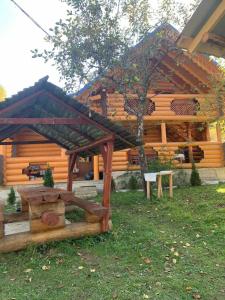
(185,107)
(133,107)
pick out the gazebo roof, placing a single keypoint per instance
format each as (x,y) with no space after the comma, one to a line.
(49,111)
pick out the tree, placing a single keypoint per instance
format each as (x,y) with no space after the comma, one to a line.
(11,200)
(48,178)
(195,178)
(2,93)
(97,40)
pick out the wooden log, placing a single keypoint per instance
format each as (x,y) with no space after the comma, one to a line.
(40,225)
(22,240)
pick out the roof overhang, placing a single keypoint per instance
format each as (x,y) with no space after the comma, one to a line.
(205,30)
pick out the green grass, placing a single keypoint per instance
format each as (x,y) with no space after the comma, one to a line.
(167,249)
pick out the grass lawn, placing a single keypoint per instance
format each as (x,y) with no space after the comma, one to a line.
(167,249)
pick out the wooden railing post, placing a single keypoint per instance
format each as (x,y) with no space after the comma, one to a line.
(96,167)
(218,133)
(163,133)
(107,152)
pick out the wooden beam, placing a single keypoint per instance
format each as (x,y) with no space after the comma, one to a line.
(163,133)
(212,21)
(71,163)
(92,145)
(96,167)
(20,241)
(107,152)
(48,121)
(184,75)
(212,37)
(26,143)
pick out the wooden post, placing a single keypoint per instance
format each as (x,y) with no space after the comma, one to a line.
(107,152)
(160,193)
(71,162)
(1,221)
(189,132)
(208,138)
(171,184)
(218,133)
(148,183)
(163,133)
(96,167)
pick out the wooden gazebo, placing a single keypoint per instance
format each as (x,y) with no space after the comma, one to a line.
(48,111)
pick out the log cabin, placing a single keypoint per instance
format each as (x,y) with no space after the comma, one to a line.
(173,124)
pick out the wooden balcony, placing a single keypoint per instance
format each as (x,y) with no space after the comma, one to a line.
(208,155)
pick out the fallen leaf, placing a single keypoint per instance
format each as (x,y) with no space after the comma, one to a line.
(80,267)
(27,270)
(197,235)
(172,249)
(174,260)
(176,253)
(145,296)
(196,296)
(114,295)
(188,288)
(187,244)
(92,270)
(12,279)
(45,268)
(147,261)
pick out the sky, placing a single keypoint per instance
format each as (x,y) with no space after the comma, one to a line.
(18,36)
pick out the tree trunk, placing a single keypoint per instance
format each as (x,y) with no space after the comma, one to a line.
(142,157)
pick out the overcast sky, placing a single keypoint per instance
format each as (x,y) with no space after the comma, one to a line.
(18,35)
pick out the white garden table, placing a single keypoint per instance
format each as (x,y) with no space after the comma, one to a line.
(157,177)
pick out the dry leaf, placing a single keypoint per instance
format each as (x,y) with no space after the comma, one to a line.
(196,296)
(176,253)
(188,288)
(172,249)
(147,261)
(27,270)
(92,270)
(80,267)
(146,296)
(174,261)
(45,268)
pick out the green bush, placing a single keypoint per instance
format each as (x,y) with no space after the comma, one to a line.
(195,178)
(181,179)
(156,165)
(48,178)
(133,183)
(11,200)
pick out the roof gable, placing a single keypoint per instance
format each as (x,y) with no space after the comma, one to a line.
(45,101)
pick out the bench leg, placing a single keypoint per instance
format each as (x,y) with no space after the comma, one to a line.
(160,193)
(148,189)
(171,185)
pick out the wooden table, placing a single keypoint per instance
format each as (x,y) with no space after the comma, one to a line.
(43,194)
(158,179)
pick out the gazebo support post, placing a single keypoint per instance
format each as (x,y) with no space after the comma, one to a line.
(107,152)
(71,163)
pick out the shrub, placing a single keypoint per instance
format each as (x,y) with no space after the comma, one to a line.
(11,200)
(156,165)
(181,178)
(133,183)
(195,178)
(48,178)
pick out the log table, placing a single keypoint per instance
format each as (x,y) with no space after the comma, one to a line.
(46,207)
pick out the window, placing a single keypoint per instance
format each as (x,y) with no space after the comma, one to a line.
(185,107)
